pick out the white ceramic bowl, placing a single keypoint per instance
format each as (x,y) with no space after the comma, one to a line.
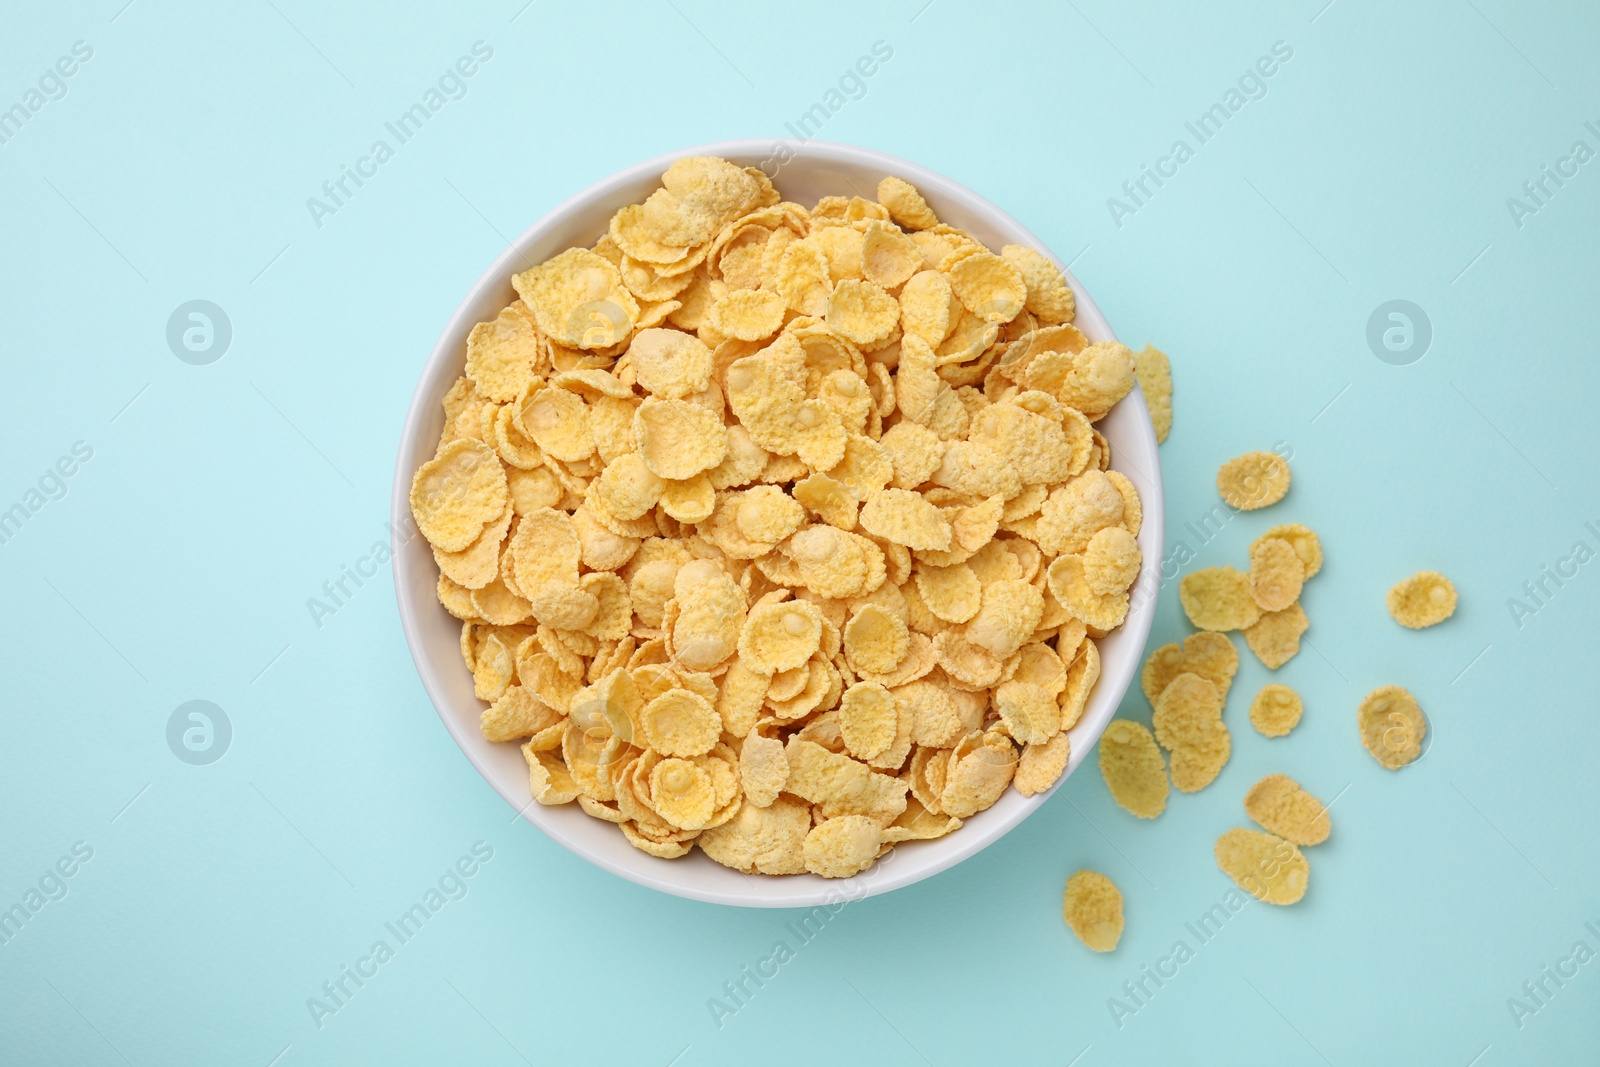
(812,170)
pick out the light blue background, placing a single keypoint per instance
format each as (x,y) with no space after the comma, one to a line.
(219,498)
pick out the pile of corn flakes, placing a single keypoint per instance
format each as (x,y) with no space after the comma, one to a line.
(786,533)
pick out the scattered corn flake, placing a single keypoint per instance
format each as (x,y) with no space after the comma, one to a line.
(1092,907)
(1307,545)
(1281,806)
(1424,599)
(1275,637)
(1185,710)
(1218,598)
(1253,480)
(1392,725)
(1188,723)
(1132,766)
(1154,371)
(1276,710)
(1264,865)
(1276,573)
(1209,654)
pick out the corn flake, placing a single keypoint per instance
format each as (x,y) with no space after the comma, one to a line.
(1253,480)
(1427,598)
(842,846)
(670,364)
(1276,574)
(1275,637)
(1218,598)
(990,287)
(1305,542)
(906,206)
(1264,865)
(1042,765)
(679,439)
(502,353)
(1154,371)
(1281,806)
(780,637)
(747,314)
(457,493)
(1092,907)
(1069,583)
(1276,710)
(869,720)
(1393,726)
(680,723)
(905,518)
(1133,768)
(578,299)
(763,769)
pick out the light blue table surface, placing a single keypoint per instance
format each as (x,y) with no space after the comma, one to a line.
(1396,152)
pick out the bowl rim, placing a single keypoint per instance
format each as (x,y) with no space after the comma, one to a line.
(807,890)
